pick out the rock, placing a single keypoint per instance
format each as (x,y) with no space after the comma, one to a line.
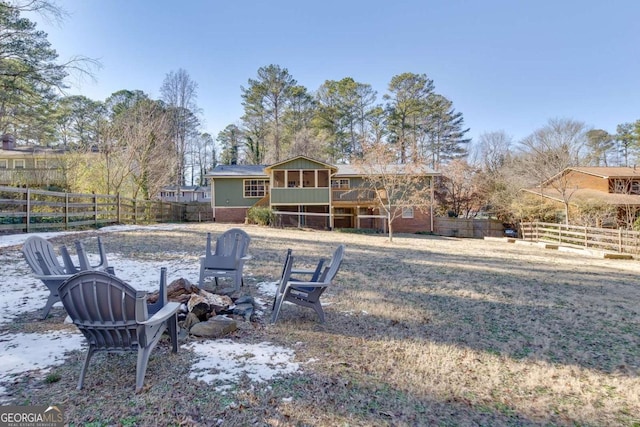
(215,327)
(246,299)
(244,310)
(189,321)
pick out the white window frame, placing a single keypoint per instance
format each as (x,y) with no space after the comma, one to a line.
(253,193)
(338,183)
(19,164)
(407,212)
(4,164)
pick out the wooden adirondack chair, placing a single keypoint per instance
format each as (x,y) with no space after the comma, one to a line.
(114,317)
(307,293)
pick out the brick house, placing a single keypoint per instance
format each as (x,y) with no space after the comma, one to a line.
(308,193)
(616,186)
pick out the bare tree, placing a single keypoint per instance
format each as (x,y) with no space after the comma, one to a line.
(179,92)
(395,186)
(457,191)
(147,130)
(492,151)
(549,151)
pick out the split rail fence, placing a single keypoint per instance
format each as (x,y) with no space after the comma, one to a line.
(605,239)
(27,210)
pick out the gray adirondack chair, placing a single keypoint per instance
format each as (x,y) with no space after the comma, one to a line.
(313,274)
(307,293)
(114,317)
(41,257)
(228,257)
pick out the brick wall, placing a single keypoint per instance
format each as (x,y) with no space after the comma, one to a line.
(583,180)
(420,222)
(231,215)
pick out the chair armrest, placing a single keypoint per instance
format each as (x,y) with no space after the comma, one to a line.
(163,314)
(53,276)
(295,283)
(302,271)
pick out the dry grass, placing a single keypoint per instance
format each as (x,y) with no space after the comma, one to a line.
(424,331)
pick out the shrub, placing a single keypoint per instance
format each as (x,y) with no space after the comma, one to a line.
(260,216)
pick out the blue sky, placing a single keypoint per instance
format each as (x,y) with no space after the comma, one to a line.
(507,65)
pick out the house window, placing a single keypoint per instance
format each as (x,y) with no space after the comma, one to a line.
(309,178)
(255,187)
(407,212)
(635,187)
(278,179)
(342,183)
(18,164)
(4,164)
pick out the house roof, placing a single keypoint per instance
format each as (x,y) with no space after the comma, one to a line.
(30,150)
(351,170)
(609,172)
(262,171)
(584,194)
(237,171)
(324,164)
(599,171)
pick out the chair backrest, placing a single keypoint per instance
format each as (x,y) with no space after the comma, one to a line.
(225,242)
(36,244)
(287,265)
(331,270)
(105,309)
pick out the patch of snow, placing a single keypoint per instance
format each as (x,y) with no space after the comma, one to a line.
(225,361)
(21,352)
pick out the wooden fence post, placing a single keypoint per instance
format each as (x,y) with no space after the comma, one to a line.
(95,209)
(586,237)
(620,240)
(118,208)
(28,212)
(66,211)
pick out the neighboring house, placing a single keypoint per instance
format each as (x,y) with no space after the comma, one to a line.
(30,165)
(616,186)
(306,192)
(185,194)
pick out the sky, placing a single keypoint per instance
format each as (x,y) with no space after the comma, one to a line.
(506,65)
(221,362)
